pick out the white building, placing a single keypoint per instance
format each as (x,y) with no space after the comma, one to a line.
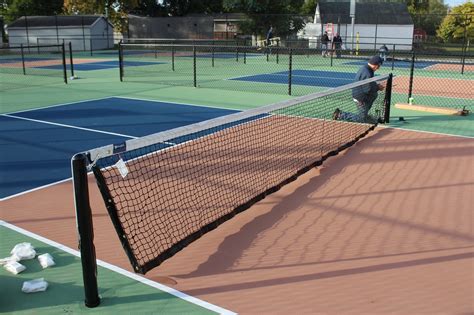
(375,24)
(85,32)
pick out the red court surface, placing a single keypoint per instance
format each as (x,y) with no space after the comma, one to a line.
(385,227)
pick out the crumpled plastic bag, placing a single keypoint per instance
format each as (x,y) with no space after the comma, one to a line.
(6,260)
(14,267)
(37,285)
(46,260)
(23,251)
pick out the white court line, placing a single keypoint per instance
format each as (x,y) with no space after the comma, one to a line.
(61,104)
(35,189)
(176,103)
(70,126)
(121,271)
(423,131)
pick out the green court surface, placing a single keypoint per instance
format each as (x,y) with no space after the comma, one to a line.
(119,293)
(431,122)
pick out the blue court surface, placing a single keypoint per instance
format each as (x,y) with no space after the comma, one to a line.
(37,145)
(101,65)
(303,77)
(397,63)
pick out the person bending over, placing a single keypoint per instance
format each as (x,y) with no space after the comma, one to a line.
(365,95)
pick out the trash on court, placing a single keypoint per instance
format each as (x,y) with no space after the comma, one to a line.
(36,285)
(14,267)
(23,251)
(46,260)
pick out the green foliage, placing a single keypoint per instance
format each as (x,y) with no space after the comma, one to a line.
(262,14)
(428,15)
(459,24)
(13,9)
(309,7)
(117,10)
(183,7)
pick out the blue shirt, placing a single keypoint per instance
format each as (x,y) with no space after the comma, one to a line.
(368,91)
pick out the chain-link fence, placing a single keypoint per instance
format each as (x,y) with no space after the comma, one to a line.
(435,79)
(17,65)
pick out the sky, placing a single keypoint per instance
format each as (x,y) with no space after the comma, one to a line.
(453,3)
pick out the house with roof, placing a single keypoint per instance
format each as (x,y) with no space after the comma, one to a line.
(85,32)
(374,23)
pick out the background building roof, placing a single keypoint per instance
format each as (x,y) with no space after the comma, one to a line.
(46,21)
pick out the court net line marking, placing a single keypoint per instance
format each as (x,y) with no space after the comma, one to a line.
(70,126)
(121,271)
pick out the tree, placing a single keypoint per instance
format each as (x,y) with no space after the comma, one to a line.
(262,14)
(117,10)
(459,24)
(184,7)
(428,15)
(13,9)
(309,7)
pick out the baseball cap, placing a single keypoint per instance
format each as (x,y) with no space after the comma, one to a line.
(375,60)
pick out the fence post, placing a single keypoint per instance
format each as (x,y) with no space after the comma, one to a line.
(85,229)
(290,66)
(388,99)
(63,53)
(172,57)
(121,71)
(23,58)
(71,61)
(412,69)
(332,53)
(57,29)
(464,49)
(194,66)
(212,54)
(393,57)
(83,33)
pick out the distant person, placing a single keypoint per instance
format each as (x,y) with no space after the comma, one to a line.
(324,44)
(269,36)
(337,45)
(383,52)
(363,95)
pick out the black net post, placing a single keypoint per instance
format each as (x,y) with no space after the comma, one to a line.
(85,229)
(23,59)
(237,53)
(194,66)
(290,66)
(63,53)
(245,55)
(120,60)
(388,99)
(277,55)
(71,61)
(412,70)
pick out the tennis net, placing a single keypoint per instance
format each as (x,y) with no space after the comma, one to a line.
(165,190)
(19,64)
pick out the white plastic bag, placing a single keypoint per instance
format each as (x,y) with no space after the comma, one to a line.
(14,267)
(23,251)
(46,260)
(37,285)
